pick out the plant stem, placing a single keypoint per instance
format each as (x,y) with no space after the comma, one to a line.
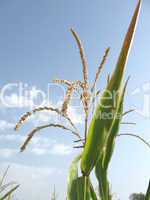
(85,187)
(86,125)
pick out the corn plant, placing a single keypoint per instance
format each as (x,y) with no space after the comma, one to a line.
(7,189)
(137,196)
(147,197)
(99,135)
(54,195)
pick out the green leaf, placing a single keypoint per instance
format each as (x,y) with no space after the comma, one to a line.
(83,188)
(101,175)
(109,148)
(148,193)
(117,76)
(9,197)
(9,192)
(100,125)
(4,176)
(103,162)
(73,175)
(92,192)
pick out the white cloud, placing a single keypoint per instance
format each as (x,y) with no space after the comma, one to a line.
(39,146)
(55,149)
(49,147)
(75,116)
(5,125)
(44,117)
(28,98)
(38,141)
(61,149)
(24,97)
(39,151)
(18,101)
(41,141)
(51,117)
(33,93)
(35,182)
(12,138)
(7,152)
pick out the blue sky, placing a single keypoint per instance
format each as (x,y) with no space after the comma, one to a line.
(36,46)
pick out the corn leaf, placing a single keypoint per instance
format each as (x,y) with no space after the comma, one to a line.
(100,125)
(101,175)
(9,192)
(9,197)
(102,164)
(73,175)
(148,193)
(4,187)
(83,188)
(4,176)
(114,130)
(92,192)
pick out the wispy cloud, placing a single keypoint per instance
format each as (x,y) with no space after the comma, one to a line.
(24,97)
(61,149)
(5,125)
(58,149)
(17,101)
(39,151)
(11,138)
(31,97)
(75,115)
(7,152)
(38,147)
(33,177)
